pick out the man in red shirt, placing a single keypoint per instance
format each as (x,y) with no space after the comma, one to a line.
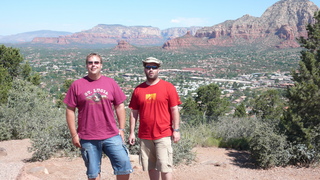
(155,102)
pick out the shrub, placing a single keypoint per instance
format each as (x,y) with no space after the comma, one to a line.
(30,113)
(53,141)
(212,142)
(236,143)
(28,110)
(268,148)
(199,135)
(303,156)
(235,132)
(182,151)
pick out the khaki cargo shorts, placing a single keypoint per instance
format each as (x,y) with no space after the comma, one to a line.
(156,154)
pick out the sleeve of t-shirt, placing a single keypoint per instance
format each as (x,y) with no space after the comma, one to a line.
(174,98)
(70,99)
(133,102)
(119,96)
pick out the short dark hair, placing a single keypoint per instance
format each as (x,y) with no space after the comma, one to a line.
(93,54)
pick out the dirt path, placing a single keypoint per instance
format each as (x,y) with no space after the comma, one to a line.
(211,163)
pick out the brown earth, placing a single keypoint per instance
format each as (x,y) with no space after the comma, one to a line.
(211,163)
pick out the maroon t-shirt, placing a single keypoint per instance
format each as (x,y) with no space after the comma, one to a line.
(94,100)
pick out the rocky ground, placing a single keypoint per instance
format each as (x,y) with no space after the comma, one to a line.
(211,163)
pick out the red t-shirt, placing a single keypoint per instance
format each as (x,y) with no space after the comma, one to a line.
(95,100)
(153,103)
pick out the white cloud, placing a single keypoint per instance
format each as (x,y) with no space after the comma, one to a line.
(189,21)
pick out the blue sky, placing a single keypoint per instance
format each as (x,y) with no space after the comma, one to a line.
(18,16)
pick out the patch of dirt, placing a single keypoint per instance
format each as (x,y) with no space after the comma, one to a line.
(211,163)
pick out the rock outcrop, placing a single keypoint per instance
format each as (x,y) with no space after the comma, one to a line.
(124,46)
(186,41)
(278,26)
(112,34)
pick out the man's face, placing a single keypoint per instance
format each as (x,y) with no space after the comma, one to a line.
(152,71)
(94,65)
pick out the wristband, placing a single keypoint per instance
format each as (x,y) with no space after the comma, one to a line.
(176,130)
(74,136)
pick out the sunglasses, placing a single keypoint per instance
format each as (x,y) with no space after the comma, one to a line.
(93,62)
(151,67)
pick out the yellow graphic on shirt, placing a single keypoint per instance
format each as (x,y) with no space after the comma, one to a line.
(151,97)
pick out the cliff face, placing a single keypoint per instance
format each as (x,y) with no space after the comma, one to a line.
(112,34)
(278,26)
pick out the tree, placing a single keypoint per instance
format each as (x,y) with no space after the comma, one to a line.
(35,79)
(25,73)
(240,111)
(25,70)
(190,112)
(210,101)
(269,106)
(67,83)
(5,81)
(10,58)
(302,120)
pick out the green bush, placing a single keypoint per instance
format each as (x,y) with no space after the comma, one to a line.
(182,152)
(268,148)
(53,141)
(29,109)
(236,143)
(212,142)
(30,113)
(303,156)
(199,135)
(235,132)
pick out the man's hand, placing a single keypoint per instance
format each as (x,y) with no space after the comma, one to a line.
(76,141)
(132,139)
(176,136)
(121,132)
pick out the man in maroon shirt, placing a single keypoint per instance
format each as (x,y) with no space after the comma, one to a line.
(95,96)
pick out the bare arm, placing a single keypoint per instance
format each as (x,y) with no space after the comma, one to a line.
(70,117)
(121,115)
(175,123)
(133,121)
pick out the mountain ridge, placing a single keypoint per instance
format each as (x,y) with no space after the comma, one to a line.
(278,26)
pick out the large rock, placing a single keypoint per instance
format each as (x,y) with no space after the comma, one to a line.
(279,26)
(124,46)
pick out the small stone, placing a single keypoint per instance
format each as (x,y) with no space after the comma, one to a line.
(3,151)
(38,169)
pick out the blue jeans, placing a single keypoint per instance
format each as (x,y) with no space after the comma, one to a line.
(91,151)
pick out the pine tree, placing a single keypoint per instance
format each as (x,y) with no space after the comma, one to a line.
(10,58)
(302,119)
(210,101)
(240,111)
(269,106)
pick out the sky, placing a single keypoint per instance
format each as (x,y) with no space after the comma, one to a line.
(19,16)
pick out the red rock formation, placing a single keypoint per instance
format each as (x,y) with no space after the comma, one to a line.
(186,41)
(279,26)
(124,46)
